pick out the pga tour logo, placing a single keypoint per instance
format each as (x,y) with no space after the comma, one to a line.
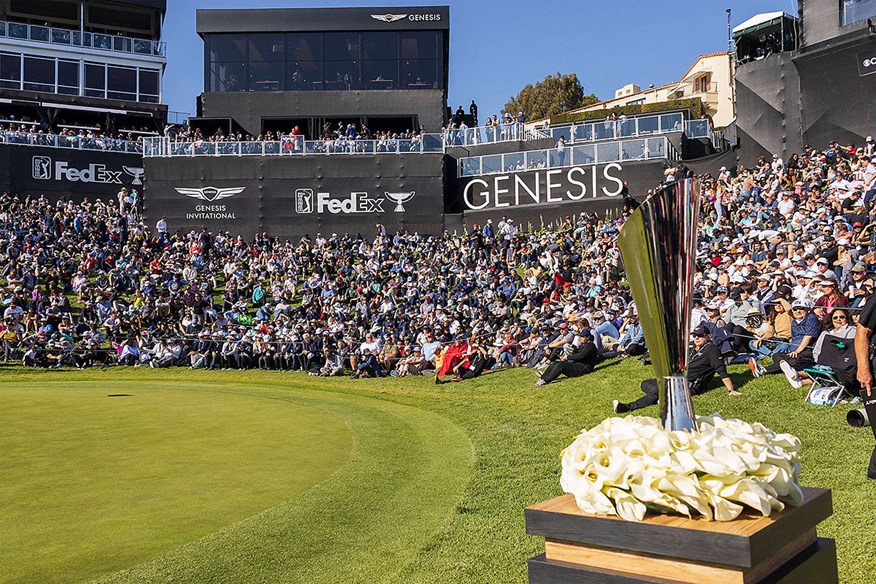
(306,201)
(43,169)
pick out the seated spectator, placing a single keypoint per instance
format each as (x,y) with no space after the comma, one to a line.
(704,362)
(834,350)
(805,330)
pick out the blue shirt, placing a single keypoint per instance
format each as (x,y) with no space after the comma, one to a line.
(808,327)
(607,329)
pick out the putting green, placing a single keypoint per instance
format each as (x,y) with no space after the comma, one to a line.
(99,477)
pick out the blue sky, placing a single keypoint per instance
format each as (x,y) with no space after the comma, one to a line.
(498,46)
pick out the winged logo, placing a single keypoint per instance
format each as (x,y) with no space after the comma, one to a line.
(210,194)
(388,17)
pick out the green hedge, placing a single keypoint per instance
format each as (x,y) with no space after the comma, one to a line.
(695,105)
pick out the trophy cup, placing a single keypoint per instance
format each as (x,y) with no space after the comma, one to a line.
(658,247)
(399,199)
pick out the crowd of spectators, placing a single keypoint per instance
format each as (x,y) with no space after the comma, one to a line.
(786,252)
(70,136)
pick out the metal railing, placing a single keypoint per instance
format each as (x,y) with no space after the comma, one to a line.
(621,128)
(70,142)
(294,146)
(487,135)
(78,38)
(576,155)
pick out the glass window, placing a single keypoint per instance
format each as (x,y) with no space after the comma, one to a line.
(68,77)
(303,75)
(121,83)
(228,76)
(227,47)
(857,10)
(420,74)
(420,45)
(303,47)
(148,82)
(381,74)
(266,47)
(343,46)
(342,75)
(39,74)
(95,81)
(380,45)
(10,71)
(265,76)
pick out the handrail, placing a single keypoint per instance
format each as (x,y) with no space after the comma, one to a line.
(658,147)
(69,142)
(294,146)
(77,38)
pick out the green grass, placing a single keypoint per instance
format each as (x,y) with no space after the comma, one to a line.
(332,480)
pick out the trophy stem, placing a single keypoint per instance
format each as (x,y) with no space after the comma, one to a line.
(676,407)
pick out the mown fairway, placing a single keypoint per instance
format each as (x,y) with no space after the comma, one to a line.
(139,475)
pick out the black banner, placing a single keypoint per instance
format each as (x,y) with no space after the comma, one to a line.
(558,186)
(293,196)
(74,174)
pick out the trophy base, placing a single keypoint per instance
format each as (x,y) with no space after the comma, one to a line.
(669,549)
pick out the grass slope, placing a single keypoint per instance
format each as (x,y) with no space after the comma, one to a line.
(439,476)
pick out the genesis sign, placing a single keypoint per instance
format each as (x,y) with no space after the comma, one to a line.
(432,17)
(558,185)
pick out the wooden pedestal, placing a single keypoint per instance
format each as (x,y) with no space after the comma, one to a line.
(668,549)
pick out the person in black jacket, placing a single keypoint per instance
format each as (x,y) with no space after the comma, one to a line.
(705,360)
(580,362)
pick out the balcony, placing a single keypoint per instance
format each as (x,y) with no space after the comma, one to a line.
(88,40)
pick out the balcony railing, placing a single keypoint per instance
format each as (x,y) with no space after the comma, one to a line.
(294,146)
(70,142)
(622,128)
(581,155)
(485,135)
(76,38)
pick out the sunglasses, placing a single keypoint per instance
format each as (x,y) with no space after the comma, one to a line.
(839,317)
(799,309)
(698,336)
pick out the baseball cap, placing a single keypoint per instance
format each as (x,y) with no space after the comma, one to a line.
(801,303)
(700,331)
(859,269)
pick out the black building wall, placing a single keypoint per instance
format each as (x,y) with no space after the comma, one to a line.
(768,107)
(248,108)
(836,98)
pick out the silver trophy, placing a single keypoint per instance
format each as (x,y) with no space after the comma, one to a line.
(658,246)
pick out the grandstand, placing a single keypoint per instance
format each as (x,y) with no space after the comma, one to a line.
(77,79)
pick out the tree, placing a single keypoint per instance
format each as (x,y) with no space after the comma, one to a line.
(554,95)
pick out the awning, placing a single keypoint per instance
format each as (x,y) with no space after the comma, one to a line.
(759,22)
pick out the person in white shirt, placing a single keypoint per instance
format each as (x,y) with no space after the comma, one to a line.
(161,225)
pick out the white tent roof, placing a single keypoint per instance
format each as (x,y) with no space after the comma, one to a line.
(757,19)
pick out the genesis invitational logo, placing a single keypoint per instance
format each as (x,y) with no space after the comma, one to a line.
(210,194)
(306,201)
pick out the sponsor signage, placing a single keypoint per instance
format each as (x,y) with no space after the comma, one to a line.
(866,62)
(254,194)
(74,174)
(429,17)
(546,186)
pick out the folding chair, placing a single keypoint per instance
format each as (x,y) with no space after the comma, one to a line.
(827,389)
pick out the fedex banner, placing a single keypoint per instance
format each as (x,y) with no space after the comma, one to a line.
(74,174)
(293,196)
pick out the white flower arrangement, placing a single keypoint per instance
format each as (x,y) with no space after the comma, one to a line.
(625,466)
